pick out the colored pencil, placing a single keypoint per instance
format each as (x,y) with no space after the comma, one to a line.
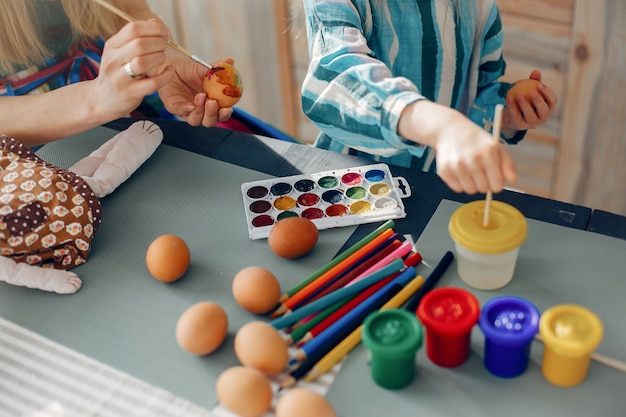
(389,224)
(432,280)
(340,329)
(367,262)
(350,275)
(308,361)
(331,273)
(351,341)
(297,332)
(398,251)
(411,260)
(321,303)
(340,312)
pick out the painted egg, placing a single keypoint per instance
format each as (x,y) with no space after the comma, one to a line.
(223,83)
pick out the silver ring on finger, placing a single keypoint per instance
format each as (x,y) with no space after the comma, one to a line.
(129,70)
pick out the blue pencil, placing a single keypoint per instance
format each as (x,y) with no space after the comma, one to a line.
(431,281)
(337,331)
(321,303)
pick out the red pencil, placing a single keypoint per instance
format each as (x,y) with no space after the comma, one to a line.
(330,274)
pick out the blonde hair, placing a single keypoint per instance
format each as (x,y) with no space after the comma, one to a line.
(22,42)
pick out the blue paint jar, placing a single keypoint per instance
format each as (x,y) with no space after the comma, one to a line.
(509,324)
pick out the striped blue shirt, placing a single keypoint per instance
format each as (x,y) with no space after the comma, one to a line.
(369,59)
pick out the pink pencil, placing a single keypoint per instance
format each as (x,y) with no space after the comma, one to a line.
(400,252)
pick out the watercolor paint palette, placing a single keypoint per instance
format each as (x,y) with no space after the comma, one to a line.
(340,197)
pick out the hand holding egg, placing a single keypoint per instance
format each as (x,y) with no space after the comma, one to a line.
(529,103)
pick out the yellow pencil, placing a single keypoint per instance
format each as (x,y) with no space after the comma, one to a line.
(353,339)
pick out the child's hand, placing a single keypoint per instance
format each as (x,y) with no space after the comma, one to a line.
(470,161)
(522,114)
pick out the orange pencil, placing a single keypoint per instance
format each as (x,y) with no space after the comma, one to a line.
(331,273)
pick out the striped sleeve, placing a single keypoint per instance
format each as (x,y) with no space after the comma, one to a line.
(347,92)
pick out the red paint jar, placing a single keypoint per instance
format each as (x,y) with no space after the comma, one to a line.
(448,315)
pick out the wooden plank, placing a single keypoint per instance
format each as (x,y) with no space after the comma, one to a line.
(536,41)
(584,70)
(603,186)
(286,68)
(559,11)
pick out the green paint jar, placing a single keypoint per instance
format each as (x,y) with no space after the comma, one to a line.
(392,337)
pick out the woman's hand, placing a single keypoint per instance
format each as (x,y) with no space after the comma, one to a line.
(185,96)
(522,114)
(138,48)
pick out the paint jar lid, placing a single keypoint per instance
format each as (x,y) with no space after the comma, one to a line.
(571,330)
(392,332)
(509,320)
(449,311)
(505,231)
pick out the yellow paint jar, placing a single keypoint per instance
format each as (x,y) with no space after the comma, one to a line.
(570,334)
(486,256)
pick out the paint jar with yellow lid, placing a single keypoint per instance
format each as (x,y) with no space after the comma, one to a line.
(570,334)
(486,256)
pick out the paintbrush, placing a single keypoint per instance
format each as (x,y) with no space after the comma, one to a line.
(170,42)
(497,120)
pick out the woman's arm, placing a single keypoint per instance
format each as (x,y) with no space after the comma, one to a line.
(72,109)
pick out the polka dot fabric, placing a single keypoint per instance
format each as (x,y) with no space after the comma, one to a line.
(48,215)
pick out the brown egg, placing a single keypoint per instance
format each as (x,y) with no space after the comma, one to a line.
(244,391)
(202,328)
(260,346)
(168,258)
(292,237)
(256,289)
(301,402)
(524,87)
(223,83)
